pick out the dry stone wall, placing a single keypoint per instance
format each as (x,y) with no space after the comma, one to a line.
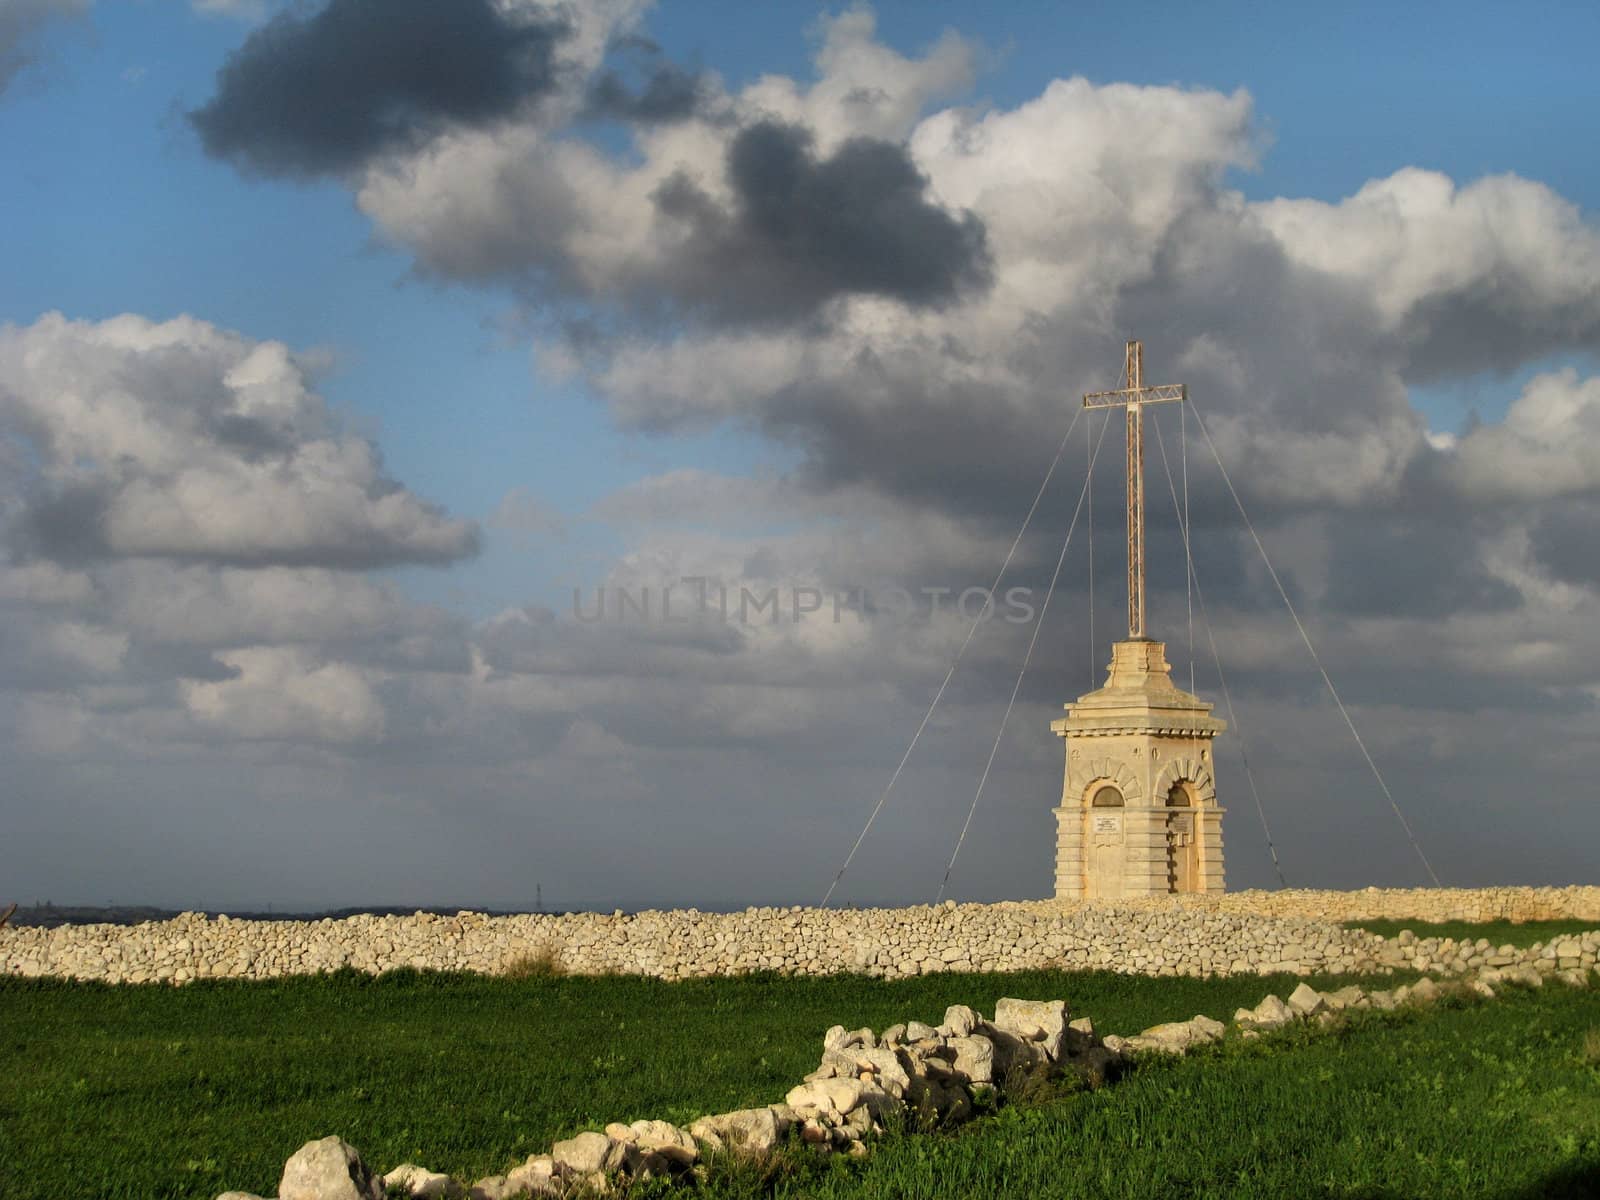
(1418,904)
(1247,932)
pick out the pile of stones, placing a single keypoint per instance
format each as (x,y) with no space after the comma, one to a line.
(911,1076)
(1305,1003)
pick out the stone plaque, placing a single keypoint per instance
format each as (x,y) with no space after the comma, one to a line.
(1106,828)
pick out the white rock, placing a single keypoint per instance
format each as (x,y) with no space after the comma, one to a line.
(536,1177)
(583,1154)
(960,1020)
(1173,1037)
(828,1095)
(1041,1021)
(1272,1013)
(422,1184)
(1345,997)
(974,1058)
(328,1169)
(884,1066)
(667,1140)
(1306,1001)
(749,1130)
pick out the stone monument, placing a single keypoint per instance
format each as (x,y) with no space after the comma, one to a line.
(1138,813)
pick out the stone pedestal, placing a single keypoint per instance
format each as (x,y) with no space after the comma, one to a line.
(1138,813)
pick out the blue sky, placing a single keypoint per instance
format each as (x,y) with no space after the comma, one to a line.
(819,445)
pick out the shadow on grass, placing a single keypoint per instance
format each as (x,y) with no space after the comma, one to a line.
(1580,1182)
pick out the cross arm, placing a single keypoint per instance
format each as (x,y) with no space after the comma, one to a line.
(1124,396)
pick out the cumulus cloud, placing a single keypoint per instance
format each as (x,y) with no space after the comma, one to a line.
(1486,275)
(649,89)
(804,229)
(1547,446)
(20,23)
(1564,541)
(183,441)
(764,205)
(281,694)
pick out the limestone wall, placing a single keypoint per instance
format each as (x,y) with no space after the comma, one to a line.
(1247,932)
(1419,904)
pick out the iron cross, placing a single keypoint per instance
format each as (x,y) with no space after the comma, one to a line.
(1133,398)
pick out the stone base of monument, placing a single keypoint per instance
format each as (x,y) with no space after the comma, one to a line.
(1139,813)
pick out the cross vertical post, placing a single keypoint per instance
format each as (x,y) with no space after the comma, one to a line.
(1133,398)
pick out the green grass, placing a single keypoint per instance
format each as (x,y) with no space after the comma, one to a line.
(1492,1100)
(156,1092)
(1498,933)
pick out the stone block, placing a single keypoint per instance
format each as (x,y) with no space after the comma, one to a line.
(421,1184)
(1306,1001)
(583,1154)
(1043,1022)
(328,1169)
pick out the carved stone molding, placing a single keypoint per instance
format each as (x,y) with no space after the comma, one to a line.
(1188,732)
(1103,770)
(1190,770)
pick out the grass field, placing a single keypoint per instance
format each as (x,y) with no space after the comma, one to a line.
(1498,933)
(158,1092)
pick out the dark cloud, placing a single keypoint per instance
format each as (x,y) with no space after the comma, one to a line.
(320,93)
(79,525)
(20,22)
(66,525)
(668,93)
(1565,540)
(1410,567)
(805,229)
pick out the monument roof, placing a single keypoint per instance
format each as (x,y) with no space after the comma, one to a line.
(1139,695)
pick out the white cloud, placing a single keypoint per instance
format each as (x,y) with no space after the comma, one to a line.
(180,440)
(93,649)
(44,584)
(243,10)
(207,606)
(521,513)
(522,202)
(283,694)
(1416,238)
(1547,446)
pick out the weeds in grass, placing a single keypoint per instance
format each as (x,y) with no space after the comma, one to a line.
(1458,993)
(542,962)
(1591,1048)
